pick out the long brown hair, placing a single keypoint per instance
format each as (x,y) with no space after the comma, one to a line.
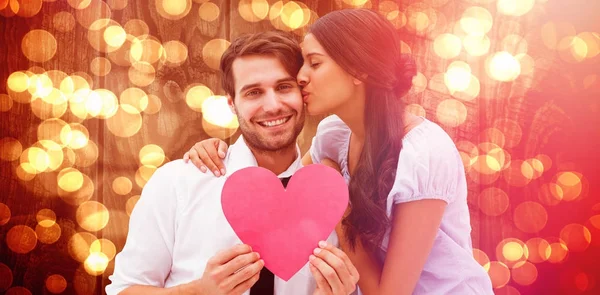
(367,46)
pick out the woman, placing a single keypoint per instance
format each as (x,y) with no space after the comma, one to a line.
(408,227)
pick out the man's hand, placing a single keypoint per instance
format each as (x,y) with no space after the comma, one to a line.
(333,271)
(232,272)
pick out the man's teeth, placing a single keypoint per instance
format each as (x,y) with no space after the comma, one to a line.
(274,123)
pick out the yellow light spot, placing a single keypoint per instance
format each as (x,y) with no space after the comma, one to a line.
(70,180)
(26,172)
(173,9)
(176,52)
(32,49)
(92,216)
(458,76)
(37,157)
(141,74)
(146,50)
(503,66)
(126,122)
(137,28)
(212,52)
(418,21)
(447,46)
(115,36)
(512,251)
(79,4)
(476,21)
(96,263)
(122,185)
(134,97)
(209,11)
(152,155)
(572,49)
(104,246)
(356,3)
(451,112)
(48,234)
(592,41)
(18,82)
(79,245)
(46,217)
(196,95)
(514,44)
(100,66)
(143,174)
(216,111)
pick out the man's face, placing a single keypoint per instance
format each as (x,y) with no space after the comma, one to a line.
(268,103)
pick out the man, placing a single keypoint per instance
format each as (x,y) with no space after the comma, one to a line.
(179,241)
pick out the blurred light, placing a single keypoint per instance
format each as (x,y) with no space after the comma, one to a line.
(79,245)
(537,167)
(458,76)
(134,97)
(115,36)
(96,10)
(176,52)
(527,63)
(468,153)
(56,284)
(515,7)
(70,179)
(493,201)
(216,111)
(550,194)
(558,252)
(148,51)
(87,155)
(576,237)
(131,204)
(137,28)
(104,246)
(512,131)
(499,274)
(503,67)
(592,41)
(46,217)
(4,214)
(524,273)
(21,239)
(209,11)
(117,4)
(477,45)
(6,102)
(572,49)
(92,216)
(100,66)
(143,174)
(51,130)
(476,21)
(6,276)
(539,250)
(154,104)
(34,52)
(18,82)
(418,21)
(196,95)
(122,185)
(173,9)
(253,10)
(79,196)
(451,112)
(126,122)
(212,52)
(141,74)
(79,4)
(48,234)
(530,217)
(513,251)
(152,155)
(481,258)
(570,185)
(554,32)
(26,172)
(10,149)
(447,46)
(356,3)
(96,263)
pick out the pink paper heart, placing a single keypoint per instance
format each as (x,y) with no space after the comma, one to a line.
(284,225)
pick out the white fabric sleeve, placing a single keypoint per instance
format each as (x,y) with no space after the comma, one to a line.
(330,140)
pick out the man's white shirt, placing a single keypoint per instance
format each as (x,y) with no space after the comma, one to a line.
(178,225)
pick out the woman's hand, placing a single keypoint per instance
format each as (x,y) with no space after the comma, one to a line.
(208,155)
(333,271)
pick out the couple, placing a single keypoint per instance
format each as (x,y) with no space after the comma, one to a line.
(407,230)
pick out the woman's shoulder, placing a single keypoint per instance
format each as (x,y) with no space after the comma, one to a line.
(430,139)
(332,123)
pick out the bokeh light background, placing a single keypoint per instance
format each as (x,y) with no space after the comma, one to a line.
(95,95)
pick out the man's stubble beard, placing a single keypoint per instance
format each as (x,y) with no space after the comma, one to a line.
(260,144)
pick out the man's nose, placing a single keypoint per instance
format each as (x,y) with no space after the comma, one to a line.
(271,102)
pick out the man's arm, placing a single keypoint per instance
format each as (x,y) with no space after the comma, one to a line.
(147,255)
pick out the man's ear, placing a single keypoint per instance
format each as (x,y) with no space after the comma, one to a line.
(230,103)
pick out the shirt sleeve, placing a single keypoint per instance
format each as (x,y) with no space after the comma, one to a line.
(146,257)
(429,167)
(330,140)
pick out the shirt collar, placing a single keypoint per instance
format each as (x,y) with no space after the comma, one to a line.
(240,156)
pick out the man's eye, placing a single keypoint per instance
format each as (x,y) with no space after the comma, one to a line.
(252,93)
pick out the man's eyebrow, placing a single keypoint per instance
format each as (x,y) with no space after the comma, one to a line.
(286,79)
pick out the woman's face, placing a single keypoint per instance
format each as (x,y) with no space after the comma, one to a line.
(326,86)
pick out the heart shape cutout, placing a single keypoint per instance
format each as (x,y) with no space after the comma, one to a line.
(284,225)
